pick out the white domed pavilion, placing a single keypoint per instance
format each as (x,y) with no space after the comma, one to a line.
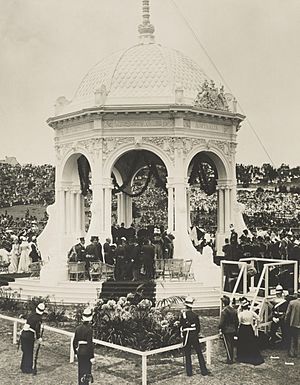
(146,102)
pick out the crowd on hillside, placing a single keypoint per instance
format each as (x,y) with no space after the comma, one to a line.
(249,174)
(27,184)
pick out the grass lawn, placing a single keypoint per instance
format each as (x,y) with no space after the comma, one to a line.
(118,368)
(19,211)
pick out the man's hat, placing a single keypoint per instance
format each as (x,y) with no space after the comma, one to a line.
(189,301)
(225,298)
(245,303)
(40,309)
(278,289)
(94,238)
(87,314)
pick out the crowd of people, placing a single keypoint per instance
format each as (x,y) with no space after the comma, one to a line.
(132,253)
(27,184)
(266,174)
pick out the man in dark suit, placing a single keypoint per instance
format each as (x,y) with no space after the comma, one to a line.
(228,326)
(292,319)
(190,329)
(77,252)
(147,259)
(84,348)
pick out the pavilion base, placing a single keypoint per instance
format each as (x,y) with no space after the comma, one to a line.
(87,292)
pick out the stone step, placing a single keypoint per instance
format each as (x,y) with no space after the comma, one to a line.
(87,291)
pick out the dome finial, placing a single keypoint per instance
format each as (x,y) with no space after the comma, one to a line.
(146,29)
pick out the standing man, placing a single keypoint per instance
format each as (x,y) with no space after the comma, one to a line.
(31,332)
(93,253)
(190,328)
(77,252)
(147,259)
(293,321)
(279,309)
(228,326)
(84,348)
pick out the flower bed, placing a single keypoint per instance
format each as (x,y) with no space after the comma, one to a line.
(140,326)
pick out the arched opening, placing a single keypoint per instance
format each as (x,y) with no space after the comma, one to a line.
(209,202)
(139,194)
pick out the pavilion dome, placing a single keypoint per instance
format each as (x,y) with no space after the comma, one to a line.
(144,74)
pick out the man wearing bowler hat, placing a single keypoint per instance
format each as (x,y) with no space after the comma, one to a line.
(190,328)
(228,326)
(84,348)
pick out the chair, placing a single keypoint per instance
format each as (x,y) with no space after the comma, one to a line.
(76,271)
(108,271)
(175,267)
(95,271)
(35,269)
(186,270)
(159,265)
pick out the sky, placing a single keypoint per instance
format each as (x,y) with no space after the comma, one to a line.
(47,46)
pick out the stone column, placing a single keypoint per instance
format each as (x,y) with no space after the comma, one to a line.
(107,208)
(68,210)
(78,214)
(73,228)
(128,210)
(170,207)
(227,222)
(220,235)
(121,207)
(97,210)
(188,209)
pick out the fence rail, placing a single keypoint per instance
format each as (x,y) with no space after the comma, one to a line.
(144,355)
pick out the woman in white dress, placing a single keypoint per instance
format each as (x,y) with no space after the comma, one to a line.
(24,258)
(205,270)
(14,255)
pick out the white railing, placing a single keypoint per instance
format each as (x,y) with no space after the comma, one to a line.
(144,355)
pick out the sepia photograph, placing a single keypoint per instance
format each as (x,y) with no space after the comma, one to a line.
(149,192)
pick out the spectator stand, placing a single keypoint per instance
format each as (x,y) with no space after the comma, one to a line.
(256,279)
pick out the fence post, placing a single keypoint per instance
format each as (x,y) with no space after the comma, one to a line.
(144,369)
(71,351)
(208,352)
(15,330)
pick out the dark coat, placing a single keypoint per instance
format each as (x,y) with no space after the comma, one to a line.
(94,252)
(84,333)
(229,320)
(189,320)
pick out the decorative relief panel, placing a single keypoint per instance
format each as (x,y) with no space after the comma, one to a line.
(109,144)
(138,123)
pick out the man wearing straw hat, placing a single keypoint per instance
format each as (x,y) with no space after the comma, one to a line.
(31,331)
(84,348)
(190,328)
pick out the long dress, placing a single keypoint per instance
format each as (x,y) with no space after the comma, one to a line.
(14,259)
(247,346)
(205,270)
(24,258)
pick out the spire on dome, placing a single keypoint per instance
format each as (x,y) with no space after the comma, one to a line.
(146,29)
